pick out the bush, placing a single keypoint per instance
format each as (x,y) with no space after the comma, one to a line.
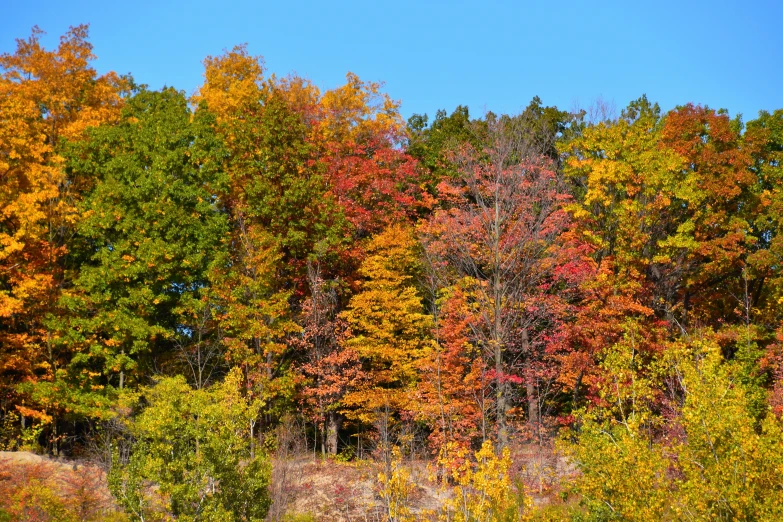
(193,455)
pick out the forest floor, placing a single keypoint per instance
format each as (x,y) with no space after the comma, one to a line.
(347,491)
(335,491)
(302,486)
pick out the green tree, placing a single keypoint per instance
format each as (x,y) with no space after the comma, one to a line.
(430,144)
(196,448)
(274,176)
(150,229)
(765,217)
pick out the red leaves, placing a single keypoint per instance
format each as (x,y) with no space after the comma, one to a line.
(453,395)
(375,183)
(329,369)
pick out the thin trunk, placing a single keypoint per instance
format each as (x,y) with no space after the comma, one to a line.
(122,372)
(500,396)
(252,439)
(533,413)
(323,430)
(501,405)
(577,385)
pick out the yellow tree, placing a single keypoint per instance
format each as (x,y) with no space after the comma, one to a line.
(273,177)
(47,98)
(390,328)
(706,460)
(483,490)
(277,211)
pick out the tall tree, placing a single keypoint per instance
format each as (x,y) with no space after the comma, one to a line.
(718,161)
(47,98)
(275,180)
(453,396)
(389,326)
(764,215)
(329,368)
(149,232)
(503,215)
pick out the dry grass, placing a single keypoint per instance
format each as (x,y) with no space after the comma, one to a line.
(37,488)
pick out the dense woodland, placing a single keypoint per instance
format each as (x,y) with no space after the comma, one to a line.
(182,276)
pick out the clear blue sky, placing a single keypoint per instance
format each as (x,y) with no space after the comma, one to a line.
(488,55)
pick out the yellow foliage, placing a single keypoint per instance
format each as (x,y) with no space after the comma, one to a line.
(711,462)
(483,491)
(46,97)
(395,488)
(389,325)
(233,81)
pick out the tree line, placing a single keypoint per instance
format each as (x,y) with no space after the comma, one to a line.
(178,275)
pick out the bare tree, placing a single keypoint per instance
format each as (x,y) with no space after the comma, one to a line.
(201,350)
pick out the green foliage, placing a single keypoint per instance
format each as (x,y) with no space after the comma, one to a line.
(538,126)
(431,144)
(195,447)
(631,266)
(281,188)
(150,228)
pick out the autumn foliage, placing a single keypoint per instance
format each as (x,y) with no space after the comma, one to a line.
(182,277)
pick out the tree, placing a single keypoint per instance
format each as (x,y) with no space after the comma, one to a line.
(665,203)
(630,195)
(704,459)
(431,144)
(253,313)
(453,396)
(764,216)
(329,368)
(502,216)
(356,134)
(197,447)
(47,98)
(483,490)
(274,178)
(718,160)
(149,232)
(388,324)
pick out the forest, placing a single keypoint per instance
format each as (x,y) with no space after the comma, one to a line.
(207,300)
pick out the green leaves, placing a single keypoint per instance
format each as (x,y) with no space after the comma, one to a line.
(150,229)
(197,447)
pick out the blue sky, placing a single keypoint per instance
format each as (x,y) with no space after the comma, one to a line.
(488,55)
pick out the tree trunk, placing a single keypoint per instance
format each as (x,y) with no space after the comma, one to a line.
(122,371)
(533,413)
(501,405)
(333,422)
(577,385)
(532,403)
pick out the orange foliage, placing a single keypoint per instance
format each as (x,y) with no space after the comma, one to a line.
(46,98)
